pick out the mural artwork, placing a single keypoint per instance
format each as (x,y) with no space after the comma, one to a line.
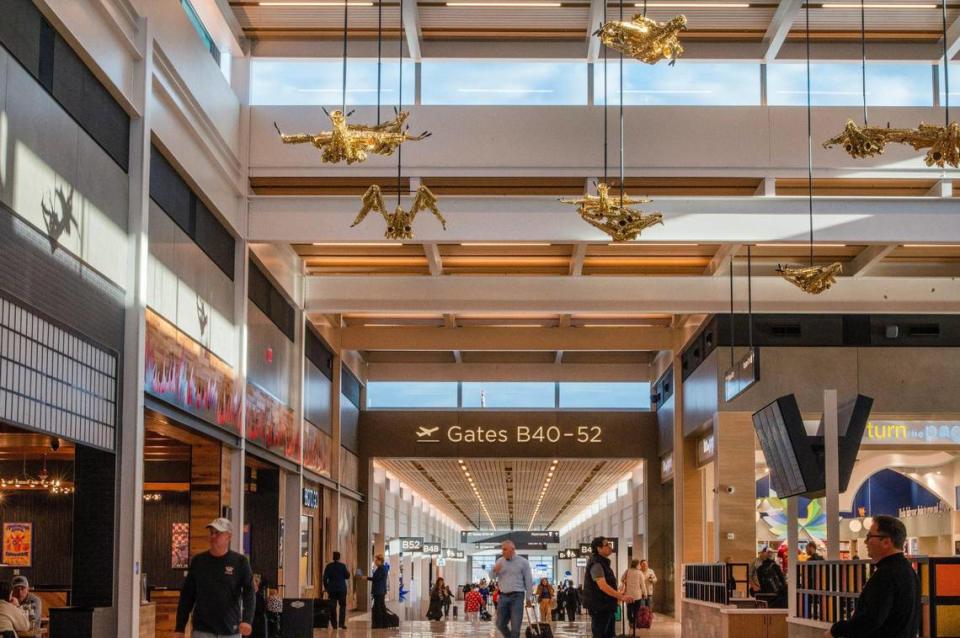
(270,424)
(183,373)
(317,446)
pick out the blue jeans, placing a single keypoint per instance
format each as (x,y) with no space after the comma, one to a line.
(510,611)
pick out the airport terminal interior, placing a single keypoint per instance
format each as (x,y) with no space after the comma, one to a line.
(415,278)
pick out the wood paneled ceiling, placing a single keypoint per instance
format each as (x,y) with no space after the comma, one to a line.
(569,20)
(599,259)
(509,493)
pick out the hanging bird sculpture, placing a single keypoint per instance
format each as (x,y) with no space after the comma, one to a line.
(352,142)
(943,142)
(613,215)
(399,222)
(811,279)
(645,39)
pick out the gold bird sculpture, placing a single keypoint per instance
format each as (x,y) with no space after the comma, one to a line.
(613,215)
(811,279)
(399,222)
(943,142)
(352,142)
(645,39)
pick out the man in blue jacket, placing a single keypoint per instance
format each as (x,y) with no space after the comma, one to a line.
(379,590)
(335,577)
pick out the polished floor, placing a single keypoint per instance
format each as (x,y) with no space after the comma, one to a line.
(663,627)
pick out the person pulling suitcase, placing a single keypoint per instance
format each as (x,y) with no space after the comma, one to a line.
(536,629)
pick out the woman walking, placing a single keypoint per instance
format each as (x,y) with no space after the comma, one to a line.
(632,584)
(544,594)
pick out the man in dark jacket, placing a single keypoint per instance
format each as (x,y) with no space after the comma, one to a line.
(217,594)
(335,577)
(571,601)
(379,591)
(600,595)
(889,605)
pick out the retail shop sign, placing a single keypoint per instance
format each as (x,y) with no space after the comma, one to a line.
(521,434)
(931,433)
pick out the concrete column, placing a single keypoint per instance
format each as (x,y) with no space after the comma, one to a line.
(832,467)
(130,445)
(292,489)
(337,369)
(678,486)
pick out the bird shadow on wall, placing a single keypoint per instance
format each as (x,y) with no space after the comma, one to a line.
(58,223)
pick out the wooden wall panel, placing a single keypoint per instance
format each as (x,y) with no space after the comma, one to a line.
(205,466)
(158,520)
(734,466)
(261,513)
(693,531)
(52,519)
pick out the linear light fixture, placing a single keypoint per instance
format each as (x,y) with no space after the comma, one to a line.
(699,5)
(800,244)
(615,325)
(503,4)
(503,244)
(375,244)
(850,5)
(314,4)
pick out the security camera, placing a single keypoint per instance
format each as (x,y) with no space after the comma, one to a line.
(731,489)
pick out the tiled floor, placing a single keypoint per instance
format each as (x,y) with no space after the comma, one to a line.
(663,627)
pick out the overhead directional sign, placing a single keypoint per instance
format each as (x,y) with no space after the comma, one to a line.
(565,554)
(432,549)
(411,543)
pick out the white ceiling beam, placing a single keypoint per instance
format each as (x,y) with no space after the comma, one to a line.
(595,17)
(641,338)
(509,371)
(450,321)
(943,188)
(776,35)
(720,263)
(869,257)
(666,294)
(558,358)
(411,28)
(953,40)
(686,219)
(434,260)
(576,260)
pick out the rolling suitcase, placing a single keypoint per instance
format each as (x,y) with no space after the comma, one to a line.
(537,629)
(321,613)
(644,617)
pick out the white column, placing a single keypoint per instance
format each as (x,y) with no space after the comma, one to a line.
(130,467)
(793,538)
(831,444)
(241,273)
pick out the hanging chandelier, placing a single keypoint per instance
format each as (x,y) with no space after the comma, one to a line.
(643,38)
(813,278)
(400,221)
(613,213)
(42,482)
(352,142)
(942,142)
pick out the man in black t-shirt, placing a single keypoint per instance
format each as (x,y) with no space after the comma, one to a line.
(600,594)
(218,581)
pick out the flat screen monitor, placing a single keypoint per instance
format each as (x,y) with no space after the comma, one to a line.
(794,467)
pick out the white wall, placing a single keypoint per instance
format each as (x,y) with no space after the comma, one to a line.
(179,277)
(43,151)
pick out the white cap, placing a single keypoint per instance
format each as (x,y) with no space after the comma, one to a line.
(221,525)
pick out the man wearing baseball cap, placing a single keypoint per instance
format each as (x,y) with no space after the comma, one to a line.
(29,602)
(218,581)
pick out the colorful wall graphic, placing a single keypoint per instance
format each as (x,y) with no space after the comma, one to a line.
(180,546)
(317,446)
(270,424)
(183,373)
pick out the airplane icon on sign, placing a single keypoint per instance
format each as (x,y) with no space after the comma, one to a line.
(424,434)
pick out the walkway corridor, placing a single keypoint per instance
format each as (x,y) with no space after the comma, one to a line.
(356,628)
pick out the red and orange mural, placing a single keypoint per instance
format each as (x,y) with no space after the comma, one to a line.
(270,424)
(317,446)
(183,373)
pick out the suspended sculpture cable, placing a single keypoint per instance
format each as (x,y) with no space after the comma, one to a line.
(812,279)
(942,142)
(399,222)
(614,215)
(352,142)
